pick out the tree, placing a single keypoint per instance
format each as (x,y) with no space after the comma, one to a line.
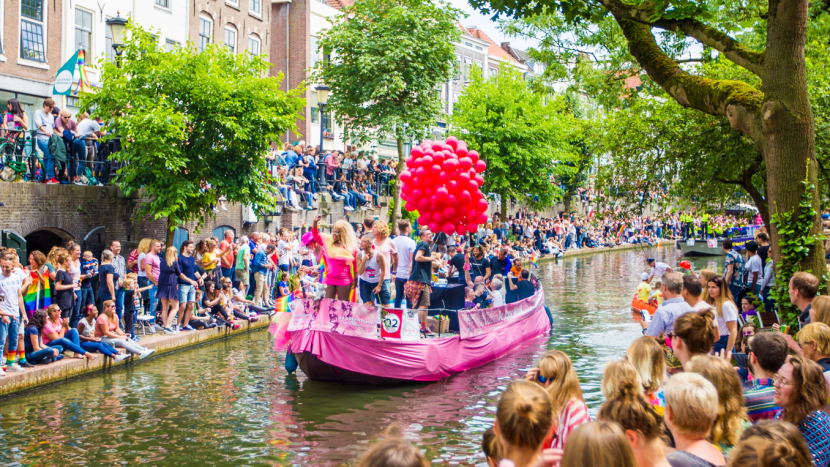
(189,121)
(775,115)
(391,56)
(523,140)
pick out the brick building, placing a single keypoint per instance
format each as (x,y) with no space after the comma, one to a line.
(241,25)
(30,50)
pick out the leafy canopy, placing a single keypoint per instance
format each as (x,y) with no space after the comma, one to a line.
(190,119)
(523,140)
(390,57)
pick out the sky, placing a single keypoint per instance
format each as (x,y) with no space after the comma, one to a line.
(483,22)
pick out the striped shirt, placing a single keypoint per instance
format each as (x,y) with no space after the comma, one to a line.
(573,415)
(758,400)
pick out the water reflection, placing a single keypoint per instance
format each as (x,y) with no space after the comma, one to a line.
(230,403)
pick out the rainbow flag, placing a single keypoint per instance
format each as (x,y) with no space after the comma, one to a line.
(533,260)
(282,303)
(38,295)
(322,269)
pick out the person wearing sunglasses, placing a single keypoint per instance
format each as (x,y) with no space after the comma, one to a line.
(801,392)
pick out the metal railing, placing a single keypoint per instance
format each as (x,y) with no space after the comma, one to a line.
(20,152)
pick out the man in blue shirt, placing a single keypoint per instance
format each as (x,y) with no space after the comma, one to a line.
(673,306)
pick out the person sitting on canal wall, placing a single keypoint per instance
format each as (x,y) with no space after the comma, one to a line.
(36,352)
(90,343)
(56,333)
(106,328)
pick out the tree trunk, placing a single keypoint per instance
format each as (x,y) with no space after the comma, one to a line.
(396,192)
(504,200)
(171,230)
(787,121)
(566,201)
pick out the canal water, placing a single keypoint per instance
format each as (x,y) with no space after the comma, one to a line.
(231,403)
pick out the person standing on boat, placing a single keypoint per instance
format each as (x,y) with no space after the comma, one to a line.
(417,288)
(386,248)
(658,269)
(405,247)
(340,253)
(371,269)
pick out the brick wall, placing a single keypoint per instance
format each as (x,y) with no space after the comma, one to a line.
(223,13)
(296,16)
(11,42)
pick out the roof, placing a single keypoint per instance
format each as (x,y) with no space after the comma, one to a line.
(339,4)
(633,82)
(520,55)
(492,49)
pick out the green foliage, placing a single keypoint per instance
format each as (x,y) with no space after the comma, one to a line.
(391,56)
(523,140)
(796,239)
(188,119)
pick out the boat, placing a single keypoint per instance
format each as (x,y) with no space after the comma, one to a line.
(337,341)
(639,305)
(714,246)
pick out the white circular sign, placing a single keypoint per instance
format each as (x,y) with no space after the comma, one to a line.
(64,81)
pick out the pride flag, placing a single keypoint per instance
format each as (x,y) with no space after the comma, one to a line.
(323,271)
(37,296)
(282,303)
(533,260)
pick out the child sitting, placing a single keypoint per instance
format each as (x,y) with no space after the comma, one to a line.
(644,289)
(655,297)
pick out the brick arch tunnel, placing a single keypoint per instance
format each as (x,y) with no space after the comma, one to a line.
(45,238)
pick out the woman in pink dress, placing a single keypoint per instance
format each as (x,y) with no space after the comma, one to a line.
(340,254)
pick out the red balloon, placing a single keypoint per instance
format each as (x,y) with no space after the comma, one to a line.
(443,177)
(452,141)
(452,201)
(453,186)
(416,194)
(481,206)
(476,196)
(429,191)
(461,229)
(472,226)
(466,163)
(473,155)
(482,219)
(433,226)
(461,151)
(437,146)
(439,158)
(417,151)
(442,193)
(461,142)
(409,206)
(426,161)
(428,152)
(426,143)
(464,197)
(480,180)
(420,172)
(433,200)
(423,204)
(448,228)
(410,162)
(481,166)
(435,170)
(464,179)
(473,186)
(406,177)
(449,212)
(419,182)
(438,217)
(425,218)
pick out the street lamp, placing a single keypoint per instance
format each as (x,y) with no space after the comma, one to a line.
(118,31)
(322,99)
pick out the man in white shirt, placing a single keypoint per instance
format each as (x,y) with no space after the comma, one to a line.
(405,247)
(12,285)
(754,268)
(89,130)
(658,269)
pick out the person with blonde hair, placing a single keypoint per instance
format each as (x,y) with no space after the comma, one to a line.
(340,253)
(649,359)
(705,275)
(771,443)
(393,452)
(691,410)
(732,418)
(491,448)
(814,339)
(557,375)
(599,443)
(693,335)
(820,310)
(168,288)
(523,422)
(614,374)
(385,247)
(726,312)
(801,392)
(642,425)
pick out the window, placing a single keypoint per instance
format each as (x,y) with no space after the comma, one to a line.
(478,47)
(32,44)
(163,3)
(83,31)
(253,45)
(494,72)
(479,65)
(468,44)
(205,32)
(460,67)
(170,45)
(255,6)
(108,44)
(230,38)
(465,72)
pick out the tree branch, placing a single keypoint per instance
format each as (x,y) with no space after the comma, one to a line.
(737,101)
(733,50)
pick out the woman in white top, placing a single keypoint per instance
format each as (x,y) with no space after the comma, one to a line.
(726,313)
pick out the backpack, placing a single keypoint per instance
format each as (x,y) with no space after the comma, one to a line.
(91,180)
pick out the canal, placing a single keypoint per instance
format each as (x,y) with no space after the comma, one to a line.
(231,403)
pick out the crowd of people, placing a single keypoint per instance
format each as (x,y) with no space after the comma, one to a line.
(676,398)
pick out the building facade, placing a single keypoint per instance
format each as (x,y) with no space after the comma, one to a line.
(241,25)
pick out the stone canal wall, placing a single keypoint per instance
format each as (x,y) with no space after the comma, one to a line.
(70,368)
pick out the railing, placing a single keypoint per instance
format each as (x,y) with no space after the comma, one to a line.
(19,152)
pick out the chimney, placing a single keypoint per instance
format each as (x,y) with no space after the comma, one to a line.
(505,46)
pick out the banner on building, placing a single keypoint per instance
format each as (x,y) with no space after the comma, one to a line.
(66,76)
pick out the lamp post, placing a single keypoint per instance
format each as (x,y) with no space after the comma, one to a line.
(322,99)
(118,31)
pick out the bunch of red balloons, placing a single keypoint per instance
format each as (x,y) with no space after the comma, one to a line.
(442,182)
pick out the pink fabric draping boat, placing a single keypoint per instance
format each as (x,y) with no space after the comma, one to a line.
(329,356)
